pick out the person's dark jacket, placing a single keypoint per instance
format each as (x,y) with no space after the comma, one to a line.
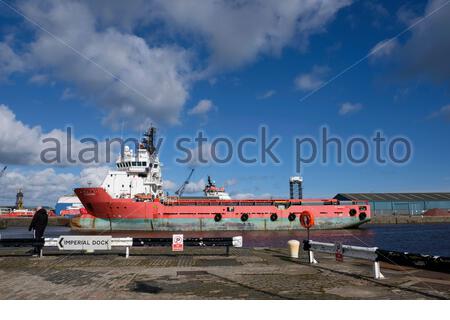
(39,222)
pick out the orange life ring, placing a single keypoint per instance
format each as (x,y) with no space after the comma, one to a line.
(306,219)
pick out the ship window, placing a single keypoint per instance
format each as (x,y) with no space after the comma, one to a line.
(134,164)
(129,164)
(155,166)
(144,163)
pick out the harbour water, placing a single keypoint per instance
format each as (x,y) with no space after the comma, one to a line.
(432,239)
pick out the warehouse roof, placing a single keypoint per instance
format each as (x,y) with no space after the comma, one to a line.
(419,196)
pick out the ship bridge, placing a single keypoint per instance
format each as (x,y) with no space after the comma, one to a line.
(136,172)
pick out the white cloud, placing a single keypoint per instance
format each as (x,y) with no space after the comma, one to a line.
(93,176)
(39,79)
(169,185)
(148,77)
(230,182)
(200,156)
(348,107)
(312,80)
(195,187)
(23,144)
(19,144)
(119,71)
(384,48)
(44,187)
(10,62)
(407,15)
(39,187)
(443,113)
(426,52)
(202,107)
(267,94)
(68,94)
(236,33)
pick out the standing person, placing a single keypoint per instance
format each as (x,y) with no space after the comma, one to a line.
(38,225)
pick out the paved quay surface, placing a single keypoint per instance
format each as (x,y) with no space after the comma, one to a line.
(206,273)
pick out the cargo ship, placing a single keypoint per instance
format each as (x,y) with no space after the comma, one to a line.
(131,197)
(68,205)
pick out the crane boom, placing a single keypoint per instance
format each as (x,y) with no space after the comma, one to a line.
(3,171)
(180,191)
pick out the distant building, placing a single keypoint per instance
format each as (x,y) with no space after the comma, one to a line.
(400,203)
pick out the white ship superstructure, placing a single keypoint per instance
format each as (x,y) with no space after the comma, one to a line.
(136,173)
(212,191)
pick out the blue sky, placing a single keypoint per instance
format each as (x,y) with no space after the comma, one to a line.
(110,69)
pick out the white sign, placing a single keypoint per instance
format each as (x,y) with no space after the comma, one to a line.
(84,242)
(177,242)
(339,251)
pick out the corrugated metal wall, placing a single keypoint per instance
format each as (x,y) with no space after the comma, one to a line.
(408,208)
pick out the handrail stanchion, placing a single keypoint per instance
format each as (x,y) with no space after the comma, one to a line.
(377,270)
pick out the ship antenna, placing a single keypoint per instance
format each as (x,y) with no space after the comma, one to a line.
(149,140)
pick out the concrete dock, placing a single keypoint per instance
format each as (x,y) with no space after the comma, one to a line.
(206,273)
(25,222)
(405,219)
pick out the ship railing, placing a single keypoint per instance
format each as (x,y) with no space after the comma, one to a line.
(176,201)
(341,251)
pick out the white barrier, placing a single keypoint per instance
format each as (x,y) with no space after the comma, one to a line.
(238,242)
(91,247)
(91,244)
(347,251)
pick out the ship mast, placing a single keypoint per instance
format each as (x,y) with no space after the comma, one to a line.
(149,140)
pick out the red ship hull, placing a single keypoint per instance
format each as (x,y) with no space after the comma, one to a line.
(107,213)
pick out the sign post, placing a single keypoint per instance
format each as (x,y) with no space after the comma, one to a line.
(339,250)
(86,243)
(177,243)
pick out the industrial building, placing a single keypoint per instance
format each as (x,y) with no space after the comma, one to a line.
(400,203)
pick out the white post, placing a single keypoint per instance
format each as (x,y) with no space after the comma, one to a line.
(127,252)
(311,257)
(41,253)
(377,271)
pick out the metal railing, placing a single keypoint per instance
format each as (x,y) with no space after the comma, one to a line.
(126,243)
(364,253)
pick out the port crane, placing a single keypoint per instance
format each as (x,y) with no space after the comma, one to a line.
(3,171)
(180,191)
